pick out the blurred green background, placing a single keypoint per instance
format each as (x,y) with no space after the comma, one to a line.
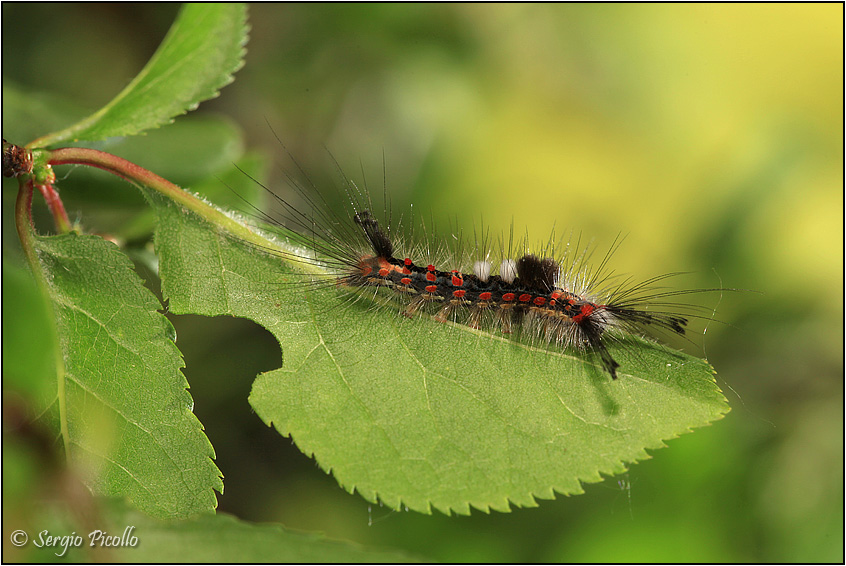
(710,135)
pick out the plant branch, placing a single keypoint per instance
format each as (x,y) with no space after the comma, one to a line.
(57,208)
(136,174)
(26,234)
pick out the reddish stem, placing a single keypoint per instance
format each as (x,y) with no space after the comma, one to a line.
(23,208)
(113,164)
(43,177)
(26,233)
(136,174)
(57,208)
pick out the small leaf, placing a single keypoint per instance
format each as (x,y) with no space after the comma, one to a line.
(422,414)
(215,144)
(121,404)
(223,538)
(140,538)
(202,50)
(26,322)
(28,113)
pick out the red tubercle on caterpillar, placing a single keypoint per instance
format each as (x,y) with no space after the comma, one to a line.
(524,298)
(508,297)
(584,312)
(459,294)
(381,266)
(486,296)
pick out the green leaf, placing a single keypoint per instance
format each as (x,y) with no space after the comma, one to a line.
(215,143)
(416,413)
(28,113)
(202,50)
(120,405)
(223,538)
(26,321)
(219,538)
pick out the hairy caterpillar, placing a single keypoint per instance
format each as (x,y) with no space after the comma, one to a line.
(553,298)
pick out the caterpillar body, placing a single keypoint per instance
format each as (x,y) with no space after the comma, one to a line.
(558,300)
